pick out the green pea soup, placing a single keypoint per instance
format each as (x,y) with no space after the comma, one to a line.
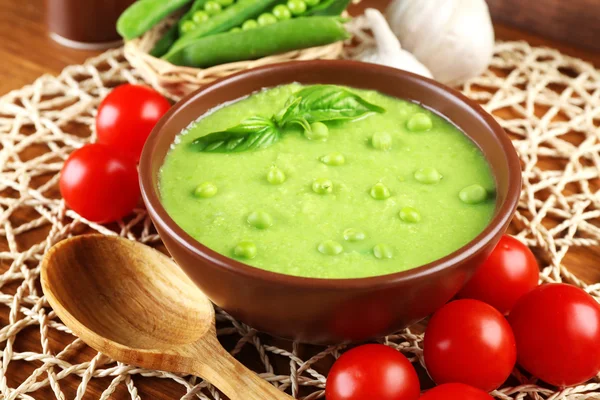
(372,196)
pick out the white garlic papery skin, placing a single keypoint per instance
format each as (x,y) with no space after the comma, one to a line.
(387,49)
(453,38)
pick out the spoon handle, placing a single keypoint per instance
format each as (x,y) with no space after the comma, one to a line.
(220,368)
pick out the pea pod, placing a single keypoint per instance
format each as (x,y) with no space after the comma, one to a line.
(164,44)
(230,18)
(142,15)
(329,7)
(293,34)
(196,6)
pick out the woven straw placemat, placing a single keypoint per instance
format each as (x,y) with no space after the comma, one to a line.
(550,104)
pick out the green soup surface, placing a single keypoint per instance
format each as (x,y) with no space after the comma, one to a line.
(381,194)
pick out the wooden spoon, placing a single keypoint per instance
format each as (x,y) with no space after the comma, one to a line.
(135,305)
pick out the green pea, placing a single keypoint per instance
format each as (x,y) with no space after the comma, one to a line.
(354,235)
(410,214)
(200,17)
(473,194)
(249,24)
(382,251)
(312,3)
(380,192)
(382,141)
(322,186)
(225,3)
(205,190)
(428,175)
(275,176)
(297,7)
(281,12)
(266,19)
(419,122)
(333,159)
(188,26)
(245,249)
(212,7)
(330,248)
(318,131)
(260,219)
(236,29)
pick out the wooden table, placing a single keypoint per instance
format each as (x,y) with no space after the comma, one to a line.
(27,52)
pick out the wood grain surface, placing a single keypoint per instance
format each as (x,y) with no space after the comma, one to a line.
(27,52)
(574,21)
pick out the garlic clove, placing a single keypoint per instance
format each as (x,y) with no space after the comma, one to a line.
(387,49)
(387,42)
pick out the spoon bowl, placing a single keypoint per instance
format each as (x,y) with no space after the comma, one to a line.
(134,304)
(137,276)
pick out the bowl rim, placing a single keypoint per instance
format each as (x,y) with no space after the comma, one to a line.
(494,228)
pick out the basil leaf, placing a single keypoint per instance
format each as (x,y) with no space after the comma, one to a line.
(300,121)
(320,103)
(291,107)
(316,103)
(251,134)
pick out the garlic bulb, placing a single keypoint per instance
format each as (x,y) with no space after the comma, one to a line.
(453,38)
(386,49)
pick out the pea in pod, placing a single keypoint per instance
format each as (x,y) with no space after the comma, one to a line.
(293,34)
(329,7)
(142,15)
(232,17)
(196,6)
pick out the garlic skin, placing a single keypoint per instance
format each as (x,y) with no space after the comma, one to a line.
(453,38)
(386,49)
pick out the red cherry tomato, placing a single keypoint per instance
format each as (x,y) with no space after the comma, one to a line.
(557,329)
(510,272)
(372,371)
(99,183)
(468,341)
(127,116)
(455,391)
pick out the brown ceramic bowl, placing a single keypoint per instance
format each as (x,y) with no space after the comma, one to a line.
(332,310)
